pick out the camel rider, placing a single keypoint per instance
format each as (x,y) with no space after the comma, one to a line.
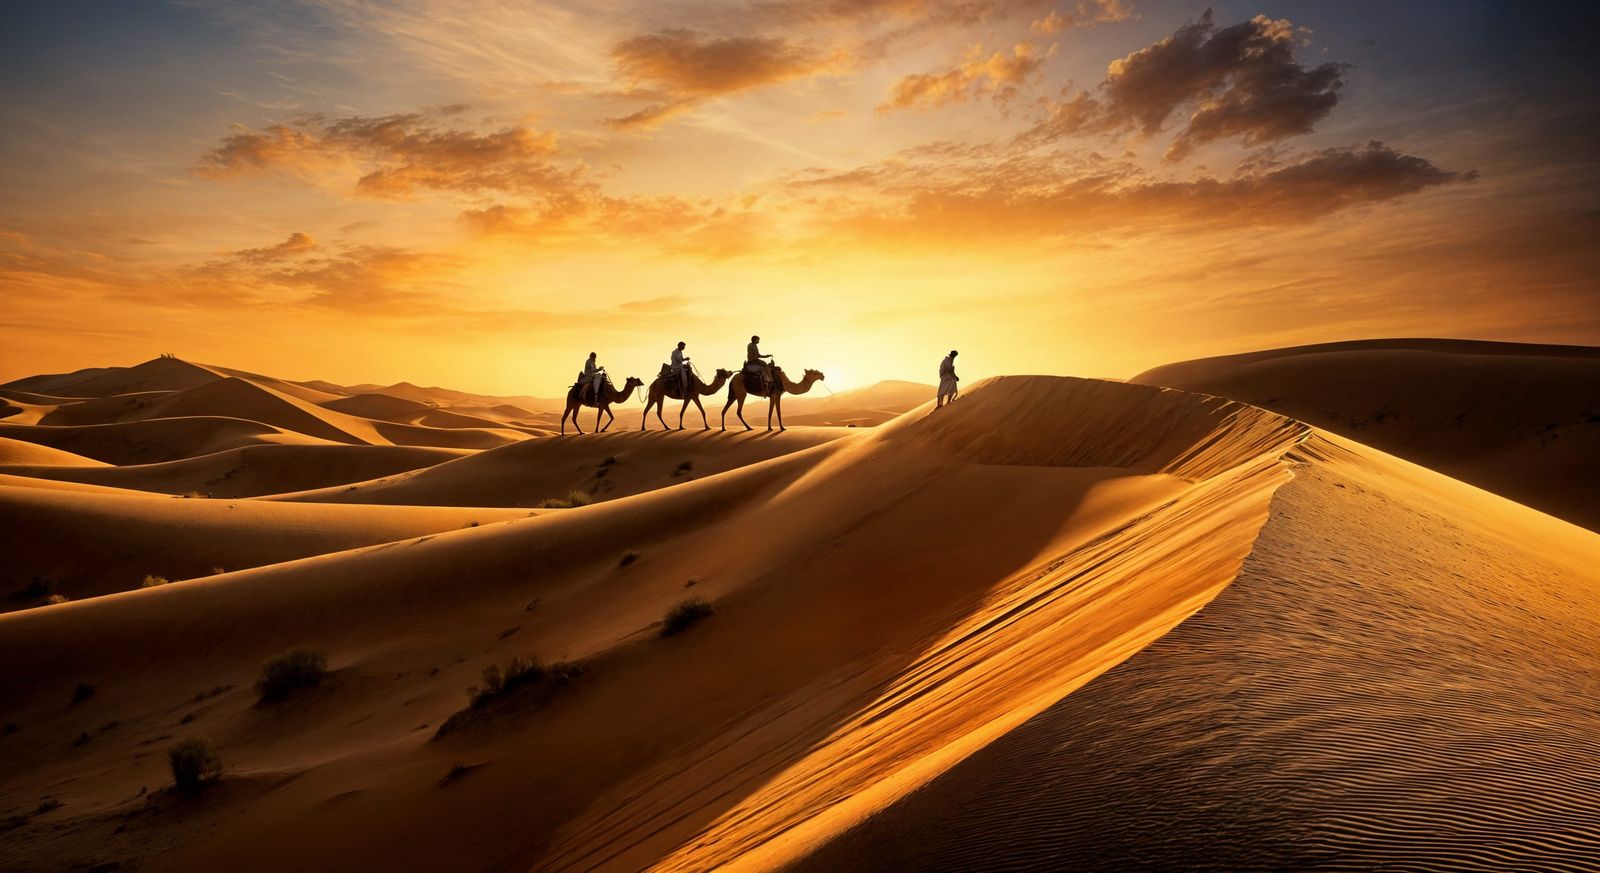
(680,367)
(594,376)
(757,362)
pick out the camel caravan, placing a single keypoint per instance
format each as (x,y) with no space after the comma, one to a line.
(678,380)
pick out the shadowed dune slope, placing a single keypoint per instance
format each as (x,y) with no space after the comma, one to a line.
(886,603)
(160,374)
(244,472)
(1402,676)
(17,452)
(157,440)
(1519,420)
(93,543)
(611,465)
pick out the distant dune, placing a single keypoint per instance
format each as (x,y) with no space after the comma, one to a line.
(250,471)
(1060,624)
(1520,420)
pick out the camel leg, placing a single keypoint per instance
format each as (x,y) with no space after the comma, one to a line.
(725,408)
(740,413)
(681,410)
(704,422)
(645,419)
(611,418)
(777,404)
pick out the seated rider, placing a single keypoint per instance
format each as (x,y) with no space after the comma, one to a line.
(680,368)
(757,362)
(593,380)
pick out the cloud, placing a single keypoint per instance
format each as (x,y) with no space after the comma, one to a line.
(1029,197)
(686,66)
(1241,82)
(297,243)
(400,154)
(1083,14)
(997,76)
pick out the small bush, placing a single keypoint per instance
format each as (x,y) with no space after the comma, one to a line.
(192,495)
(217,571)
(292,670)
(457,770)
(83,692)
(685,615)
(56,598)
(195,764)
(573,500)
(500,680)
(154,581)
(683,469)
(628,558)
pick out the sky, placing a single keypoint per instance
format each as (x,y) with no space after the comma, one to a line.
(478,194)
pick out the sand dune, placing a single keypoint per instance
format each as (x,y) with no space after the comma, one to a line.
(17,452)
(160,374)
(860,407)
(250,471)
(828,596)
(402,411)
(529,472)
(85,544)
(1520,420)
(157,440)
(1401,677)
(889,604)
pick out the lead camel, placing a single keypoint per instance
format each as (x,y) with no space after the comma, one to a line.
(738,390)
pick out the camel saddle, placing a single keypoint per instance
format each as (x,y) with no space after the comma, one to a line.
(671,384)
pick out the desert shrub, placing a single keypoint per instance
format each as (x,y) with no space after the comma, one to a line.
(56,598)
(685,615)
(628,558)
(193,495)
(154,581)
(217,571)
(83,692)
(500,680)
(573,500)
(195,764)
(294,669)
(683,469)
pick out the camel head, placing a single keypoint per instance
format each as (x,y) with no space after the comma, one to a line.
(632,383)
(814,375)
(724,373)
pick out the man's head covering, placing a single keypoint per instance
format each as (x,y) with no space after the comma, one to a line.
(593,354)
(755,339)
(952,353)
(681,344)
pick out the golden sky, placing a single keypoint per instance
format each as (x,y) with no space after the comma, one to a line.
(477,194)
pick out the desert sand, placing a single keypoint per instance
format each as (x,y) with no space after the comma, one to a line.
(1517,419)
(1062,621)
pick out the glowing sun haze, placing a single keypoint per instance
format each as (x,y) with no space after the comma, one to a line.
(477,194)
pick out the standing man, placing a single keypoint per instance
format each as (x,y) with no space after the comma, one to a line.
(753,356)
(595,375)
(680,368)
(948,380)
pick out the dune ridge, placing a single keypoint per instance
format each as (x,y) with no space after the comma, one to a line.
(1517,419)
(1398,678)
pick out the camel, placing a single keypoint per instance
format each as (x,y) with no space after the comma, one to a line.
(608,396)
(666,383)
(738,390)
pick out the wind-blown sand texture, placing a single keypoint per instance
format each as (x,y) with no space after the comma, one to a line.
(1519,420)
(1060,621)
